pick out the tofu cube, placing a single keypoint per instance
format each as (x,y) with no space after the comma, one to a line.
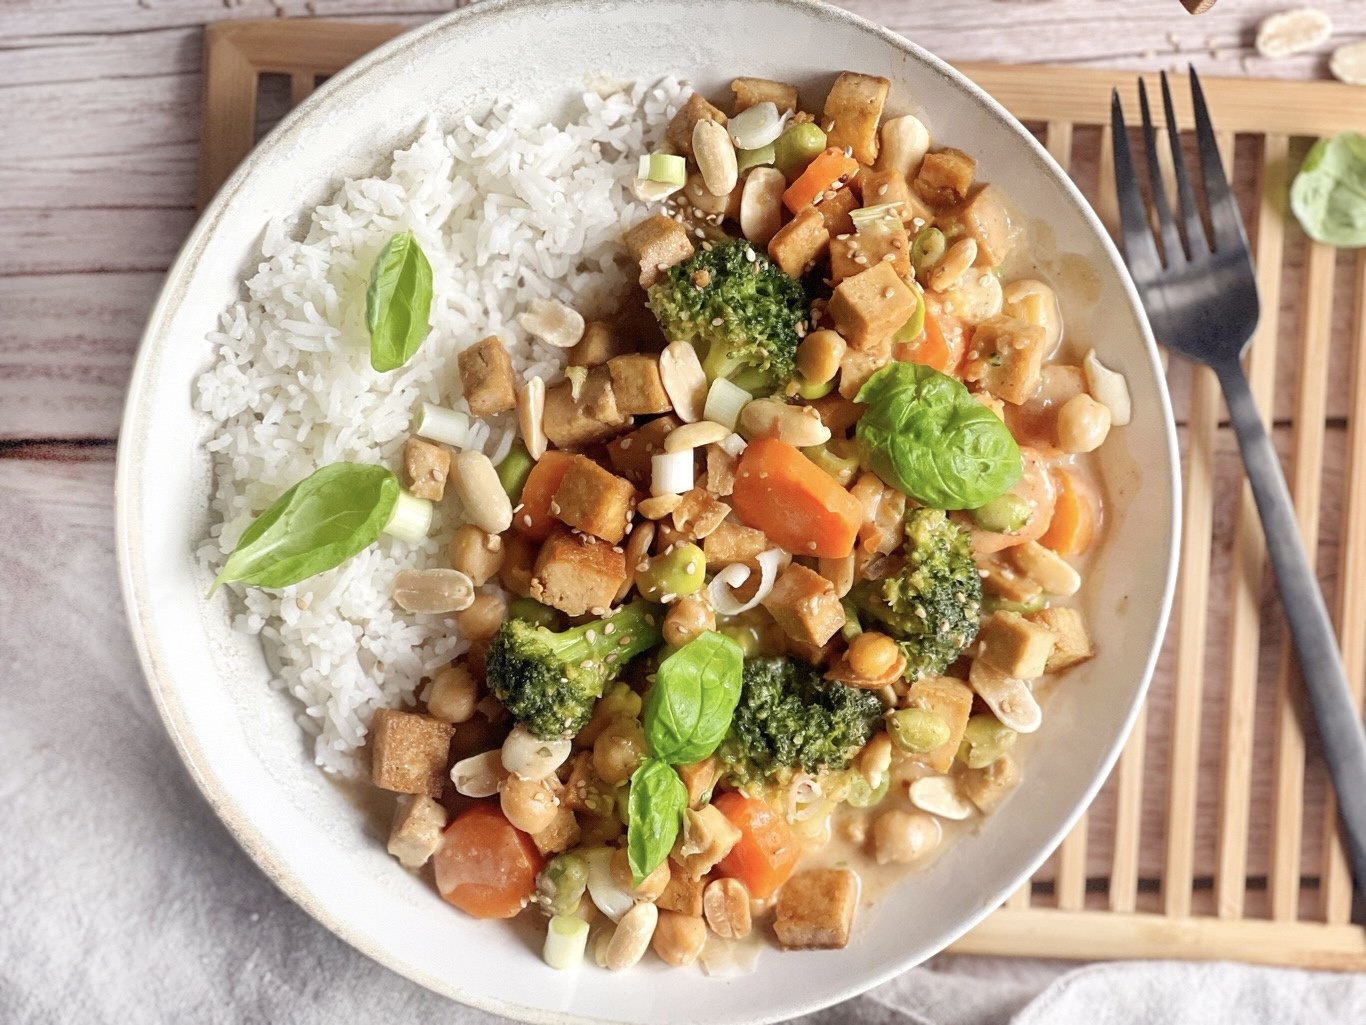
(949,699)
(637,386)
(720,471)
(562,833)
(630,454)
(1002,579)
(856,367)
(600,342)
(986,219)
(428,466)
(591,418)
(752,91)
(416,831)
(699,778)
(734,542)
(1014,645)
(594,500)
(800,242)
(805,605)
(871,306)
(707,836)
(836,207)
(585,791)
(945,177)
(657,243)
(1071,641)
(852,112)
(683,894)
(987,787)
(883,243)
(889,186)
(487,378)
(695,109)
(577,574)
(815,909)
(408,752)
(1005,357)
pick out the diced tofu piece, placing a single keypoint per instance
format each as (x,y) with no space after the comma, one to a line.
(720,469)
(752,91)
(986,219)
(600,342)
(835,209)
(815,909)
(695,109)
(594,500)
(852,112)
(987,787)
(945,177)
(889,186)
(1071,641)
(577,574)
(1002,579)
(657,243)
(593,417)
(1005,357)
(427,466)
(487,377)
(699,513)
(884,243)
(699,778)
(585,791)
(1014,645)
(800,242)
(837,413)
(631,453)
(870,307)
(949,699)
(408,752)
(707,837)
(856,367)
(734,542)
(683,893)
(562,833)
(416,831)
(805,605)
(636,384)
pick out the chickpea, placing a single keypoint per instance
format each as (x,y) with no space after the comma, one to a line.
(476,553)
(453,695)
(650,887)
(1083,424)
(679,938)
(519,559)
(529,804)
(819,355)
(483,618)
(904,836)
(618,751)
(678,571)
(872,655)
(688,618)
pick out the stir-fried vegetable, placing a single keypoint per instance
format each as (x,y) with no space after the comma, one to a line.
(796,503)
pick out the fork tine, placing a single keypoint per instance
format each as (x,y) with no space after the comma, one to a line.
(1223,208)
(1190,213)
(1140,250)
(1171,241)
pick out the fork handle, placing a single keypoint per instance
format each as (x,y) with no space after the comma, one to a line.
(1316,647)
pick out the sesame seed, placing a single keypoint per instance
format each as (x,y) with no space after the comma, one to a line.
(842,238)
(626,640)
(889,293)
(667,598)
(691,567)
(717,321)
(586,664)
(699,233)
(608,629)
(750,255)
(526,520)
(811,545)
(591,636)
(625,443)
(882,190)
(888,257)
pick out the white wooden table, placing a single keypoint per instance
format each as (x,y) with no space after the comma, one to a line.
(99,125)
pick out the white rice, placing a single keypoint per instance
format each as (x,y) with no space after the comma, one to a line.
(506,211)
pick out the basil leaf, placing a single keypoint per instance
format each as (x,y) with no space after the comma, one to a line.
(654,814)
(398,302)
(689,707)
(925,435)
(1329,194)
(319,523)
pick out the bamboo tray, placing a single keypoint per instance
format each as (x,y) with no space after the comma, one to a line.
(1215,837)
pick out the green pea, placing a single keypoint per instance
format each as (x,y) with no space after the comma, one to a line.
(1004,514)
(747,158)
(927,249)
(532,611)
(745,636)
(679,571)
(917,731)
(861,795)
(514,470)
(985,739)
(797,147)
(995,603)
(561,883)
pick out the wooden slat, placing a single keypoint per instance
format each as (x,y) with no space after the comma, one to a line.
(1123,895)
(1058,140)
(301,86)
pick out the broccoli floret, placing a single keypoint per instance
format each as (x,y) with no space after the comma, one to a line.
(790,717)
(548,681)
(739,310)
(934,606)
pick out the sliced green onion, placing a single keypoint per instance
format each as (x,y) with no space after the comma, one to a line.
(915,323)
(725,399)
(448,426)
(411,519)
(663,167)
(748,158)
(852,627)
(577,378)
(756,126)
(797,147)
(514,470)
(927,249)
(865,217)
(566,937)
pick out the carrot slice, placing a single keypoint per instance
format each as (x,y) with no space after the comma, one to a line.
(766,853)
(792,500)
(1076,513)
(534,519)
(820,176)
(486,866)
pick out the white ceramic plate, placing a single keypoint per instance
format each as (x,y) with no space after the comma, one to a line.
(238,736)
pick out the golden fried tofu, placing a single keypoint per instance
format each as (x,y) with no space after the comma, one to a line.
(720,471)
(600,342)
(562,833)
(592,417)
(636,384)
(986,219)
(1071,641)
(815,909)
(577,574)
(852,112)
(890,186)
(487,378)
(800,242)
(835,208)
(871,306)
(752,91)
(428,466)
(1014,645)
(656,244)
(699,513)
(805,605)
(630,454)
(408,752)
(1005,357)
(949,699)
(683,893)
(416,831)
(594,500)
(699,778)
(734,542)
(856,367)
(707,836)
(945,177)
(695,109)
(885,242)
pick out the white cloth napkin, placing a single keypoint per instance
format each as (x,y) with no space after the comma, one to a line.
(124,901)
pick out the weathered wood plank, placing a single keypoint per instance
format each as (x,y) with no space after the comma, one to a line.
(75,240)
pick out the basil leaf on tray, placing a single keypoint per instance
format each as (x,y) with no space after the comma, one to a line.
(925,435)
(654,814)
(689,707)
(317,524)
(1329,194)
(398,302)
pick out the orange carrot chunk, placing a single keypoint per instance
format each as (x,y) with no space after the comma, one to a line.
(829,169)
(534,519)
(766,852)
(1075,515)
(486,866)
(792,500)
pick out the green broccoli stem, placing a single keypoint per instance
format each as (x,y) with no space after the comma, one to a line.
(632,630)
